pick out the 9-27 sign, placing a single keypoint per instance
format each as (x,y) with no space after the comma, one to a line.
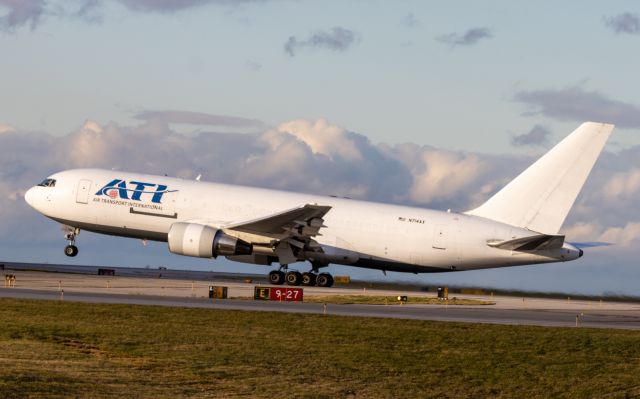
(278,294)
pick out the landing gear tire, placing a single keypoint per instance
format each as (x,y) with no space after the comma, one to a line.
(293,278)
(324,280)
(309,279)
(70,235)
(276,277)
(71,250)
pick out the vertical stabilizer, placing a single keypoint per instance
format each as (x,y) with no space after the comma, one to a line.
(540,198)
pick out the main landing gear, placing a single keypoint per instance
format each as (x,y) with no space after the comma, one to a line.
(71,249)
(308,279)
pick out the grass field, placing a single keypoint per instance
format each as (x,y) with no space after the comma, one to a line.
(64,349)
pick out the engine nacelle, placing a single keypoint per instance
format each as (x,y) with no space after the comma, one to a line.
(193,239)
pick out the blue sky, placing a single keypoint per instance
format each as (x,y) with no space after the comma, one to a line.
(414,87)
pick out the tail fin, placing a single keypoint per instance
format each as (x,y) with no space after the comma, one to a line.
(540,198)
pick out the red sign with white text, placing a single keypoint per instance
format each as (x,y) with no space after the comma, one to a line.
(285,294)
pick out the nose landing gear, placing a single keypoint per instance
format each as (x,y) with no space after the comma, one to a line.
(71,249)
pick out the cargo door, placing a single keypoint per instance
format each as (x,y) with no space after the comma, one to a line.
(82,193)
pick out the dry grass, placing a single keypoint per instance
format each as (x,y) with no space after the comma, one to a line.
(56,349)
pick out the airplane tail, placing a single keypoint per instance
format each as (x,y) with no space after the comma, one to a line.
(540,198)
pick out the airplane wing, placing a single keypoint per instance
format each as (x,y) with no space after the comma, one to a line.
(304,221)
(531,243)
(294,228)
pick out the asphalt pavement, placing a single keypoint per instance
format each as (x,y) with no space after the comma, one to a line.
(595,318)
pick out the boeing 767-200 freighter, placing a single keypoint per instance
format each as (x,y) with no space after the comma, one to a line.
(517,226)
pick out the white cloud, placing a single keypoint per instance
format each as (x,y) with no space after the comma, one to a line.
(312,156)
(6,129)
(441,175)
(582,231)
(623,184)
(87,146)
(625,236)
(323,138)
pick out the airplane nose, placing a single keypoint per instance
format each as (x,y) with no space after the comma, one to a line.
(29,197)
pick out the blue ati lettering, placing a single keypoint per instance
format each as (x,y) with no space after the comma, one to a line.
(134,190)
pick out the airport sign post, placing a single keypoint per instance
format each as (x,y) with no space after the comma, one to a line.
(278,294)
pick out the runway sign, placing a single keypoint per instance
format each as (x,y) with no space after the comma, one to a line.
(261,293)
(342,279)
(278,294)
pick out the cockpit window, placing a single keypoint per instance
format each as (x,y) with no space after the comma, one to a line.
(48,183)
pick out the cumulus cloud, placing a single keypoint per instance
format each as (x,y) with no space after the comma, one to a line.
(622,236)
(468,38)
(323,138)
(537,136)
(6,129)
(176,5)
(624,23)
(20,13)
(301,155)
(197,118)
(15,14)
(313,156)
(337,39)
(577,104)
(623,185)
(440,175)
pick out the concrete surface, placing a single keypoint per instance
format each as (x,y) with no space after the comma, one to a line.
(152,290)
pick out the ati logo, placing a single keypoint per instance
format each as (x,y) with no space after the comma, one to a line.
(118,189)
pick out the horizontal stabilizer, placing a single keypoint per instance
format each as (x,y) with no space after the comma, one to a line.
(532,243)
(590,244)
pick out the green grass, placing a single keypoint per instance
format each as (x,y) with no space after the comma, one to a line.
(64,349)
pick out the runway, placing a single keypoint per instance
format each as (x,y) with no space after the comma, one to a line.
(628,318)
(161,287)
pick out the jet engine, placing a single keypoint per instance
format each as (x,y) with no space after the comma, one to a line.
(193,239)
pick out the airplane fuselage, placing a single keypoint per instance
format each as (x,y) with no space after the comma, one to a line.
(357,233)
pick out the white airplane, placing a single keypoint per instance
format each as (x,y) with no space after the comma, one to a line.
(517,226)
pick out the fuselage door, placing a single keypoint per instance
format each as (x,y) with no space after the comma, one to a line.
(440,237)
(82,193)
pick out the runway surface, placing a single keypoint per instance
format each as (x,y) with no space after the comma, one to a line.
(597,318)
(190,289)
